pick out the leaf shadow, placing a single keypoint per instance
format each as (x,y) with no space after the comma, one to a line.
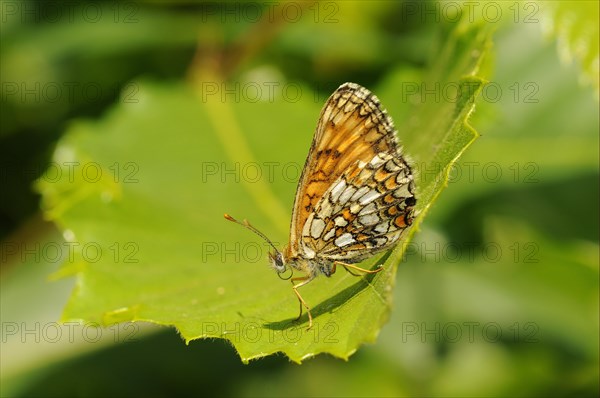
(325,306)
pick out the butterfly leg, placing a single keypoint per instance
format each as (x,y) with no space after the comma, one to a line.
(347,267)
(303,281)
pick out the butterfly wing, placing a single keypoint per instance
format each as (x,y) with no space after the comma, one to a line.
(366,210)
(352,127)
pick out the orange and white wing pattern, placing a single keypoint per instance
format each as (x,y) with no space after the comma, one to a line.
(365,211)
(353,131)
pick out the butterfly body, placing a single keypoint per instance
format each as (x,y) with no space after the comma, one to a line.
(356,195)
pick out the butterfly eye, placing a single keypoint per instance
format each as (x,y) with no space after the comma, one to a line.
(277,262)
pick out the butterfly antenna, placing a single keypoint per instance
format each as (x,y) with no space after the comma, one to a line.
(249,226)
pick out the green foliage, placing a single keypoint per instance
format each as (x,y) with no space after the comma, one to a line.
(575,24)
(496,294)
(154,205)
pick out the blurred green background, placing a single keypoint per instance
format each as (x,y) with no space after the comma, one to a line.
(498,292)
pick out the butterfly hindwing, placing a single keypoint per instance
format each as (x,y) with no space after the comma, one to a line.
(365,211)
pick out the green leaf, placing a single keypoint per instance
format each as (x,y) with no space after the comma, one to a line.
(575,25)
(141,195)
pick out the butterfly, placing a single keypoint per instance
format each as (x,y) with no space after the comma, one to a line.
(355,197)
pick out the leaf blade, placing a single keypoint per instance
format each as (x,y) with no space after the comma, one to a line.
(167,255)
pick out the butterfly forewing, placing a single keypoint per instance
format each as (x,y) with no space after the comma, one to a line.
(352,130)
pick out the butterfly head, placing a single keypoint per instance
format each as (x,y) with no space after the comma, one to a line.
(277,261)
(276,258)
